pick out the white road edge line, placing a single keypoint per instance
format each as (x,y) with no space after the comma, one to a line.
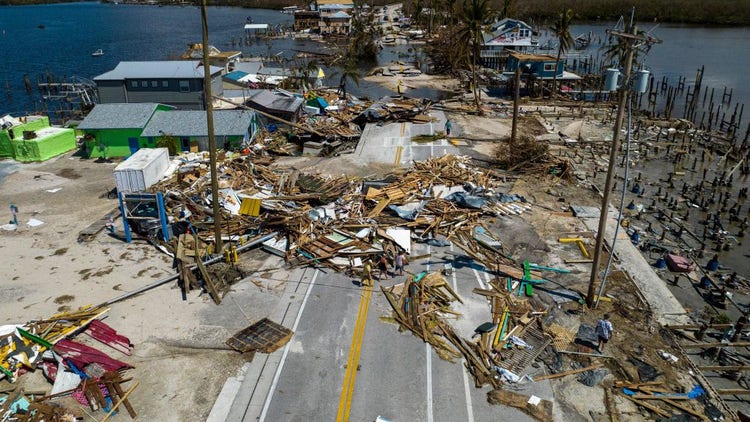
(455,285)
(429,381)
(479,279)
(429,364)
(277,375)
(467,393)
(467,389)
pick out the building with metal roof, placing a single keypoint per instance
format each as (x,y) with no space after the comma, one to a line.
(120,116)
(188,127)
(114,130)
(175,82)
(276,103)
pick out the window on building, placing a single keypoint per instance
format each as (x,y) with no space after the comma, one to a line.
(549,67)
(134,84)
(154,84)
(184,86)
(165,84)
(144,84)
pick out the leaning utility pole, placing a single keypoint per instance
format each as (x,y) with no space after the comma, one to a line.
(629,38)
(208,100)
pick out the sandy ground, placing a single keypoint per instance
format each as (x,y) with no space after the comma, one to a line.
(443,83)
(180,358)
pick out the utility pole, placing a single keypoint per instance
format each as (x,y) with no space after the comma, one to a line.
(517,88)
(629,37)
(208,99)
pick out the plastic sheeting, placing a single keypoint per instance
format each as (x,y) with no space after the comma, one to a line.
(408,211)
(467,201)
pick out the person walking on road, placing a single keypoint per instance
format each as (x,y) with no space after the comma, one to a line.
(604,332)
(366,274)
(448,127)
(399,262)
(383,267)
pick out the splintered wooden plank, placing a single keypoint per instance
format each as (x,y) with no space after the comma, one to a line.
(379,208)
(264,336)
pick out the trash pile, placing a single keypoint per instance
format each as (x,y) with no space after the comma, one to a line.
(339,221)
(80,374)
(331,126)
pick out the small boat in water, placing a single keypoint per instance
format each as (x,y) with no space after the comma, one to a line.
(97,53)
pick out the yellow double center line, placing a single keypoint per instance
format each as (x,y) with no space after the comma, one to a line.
(347,389)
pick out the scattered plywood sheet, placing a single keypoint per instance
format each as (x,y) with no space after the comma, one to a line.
(264,336)
(402,237)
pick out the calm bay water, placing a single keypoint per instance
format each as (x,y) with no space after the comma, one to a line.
(129,32)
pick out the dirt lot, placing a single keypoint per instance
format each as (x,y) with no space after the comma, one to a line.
(179,355)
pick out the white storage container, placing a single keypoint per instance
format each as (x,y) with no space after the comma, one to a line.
(141,170)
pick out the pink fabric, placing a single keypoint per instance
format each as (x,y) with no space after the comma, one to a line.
(82,355)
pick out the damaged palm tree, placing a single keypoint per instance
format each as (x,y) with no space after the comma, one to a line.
(474,16)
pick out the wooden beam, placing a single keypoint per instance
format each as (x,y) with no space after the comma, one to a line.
(571,372)
(707,345)
(696,326)
(732,391)
(687,409)
(724,368)
(659,397)
(651,407)
(119,402)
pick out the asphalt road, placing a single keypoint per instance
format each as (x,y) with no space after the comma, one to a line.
(399,377)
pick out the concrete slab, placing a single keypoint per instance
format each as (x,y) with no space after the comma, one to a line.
(391,143)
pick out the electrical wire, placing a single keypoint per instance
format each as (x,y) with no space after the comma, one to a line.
(622,204)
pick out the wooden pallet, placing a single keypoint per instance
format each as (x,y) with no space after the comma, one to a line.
(264,336)
(563,337)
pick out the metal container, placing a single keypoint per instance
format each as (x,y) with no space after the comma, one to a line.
(141,170)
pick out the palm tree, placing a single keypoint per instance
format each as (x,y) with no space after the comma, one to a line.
(349,71)
(615,52)
(561,29)
(474,15)
(506,10)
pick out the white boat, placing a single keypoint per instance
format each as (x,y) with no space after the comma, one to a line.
(97,53)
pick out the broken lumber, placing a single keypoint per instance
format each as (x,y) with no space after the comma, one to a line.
(570,372)
(542,411)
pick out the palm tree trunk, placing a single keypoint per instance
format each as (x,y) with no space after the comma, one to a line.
(553,94)
(474,80)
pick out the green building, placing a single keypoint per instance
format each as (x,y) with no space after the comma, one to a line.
(114,130)
(31,138)
(119,130)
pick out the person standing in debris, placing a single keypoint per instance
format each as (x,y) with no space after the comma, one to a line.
(383,267)
(366,274)
(713,264)
(14,213)
(448,127)
(604,331)
(738,327)
(400,261)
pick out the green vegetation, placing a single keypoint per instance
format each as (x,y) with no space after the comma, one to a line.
(561,29)
(474,17)
(718,12)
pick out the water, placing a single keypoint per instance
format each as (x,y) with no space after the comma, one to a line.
(724,51)
(73,31)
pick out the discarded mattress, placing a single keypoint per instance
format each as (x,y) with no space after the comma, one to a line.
(678,264)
